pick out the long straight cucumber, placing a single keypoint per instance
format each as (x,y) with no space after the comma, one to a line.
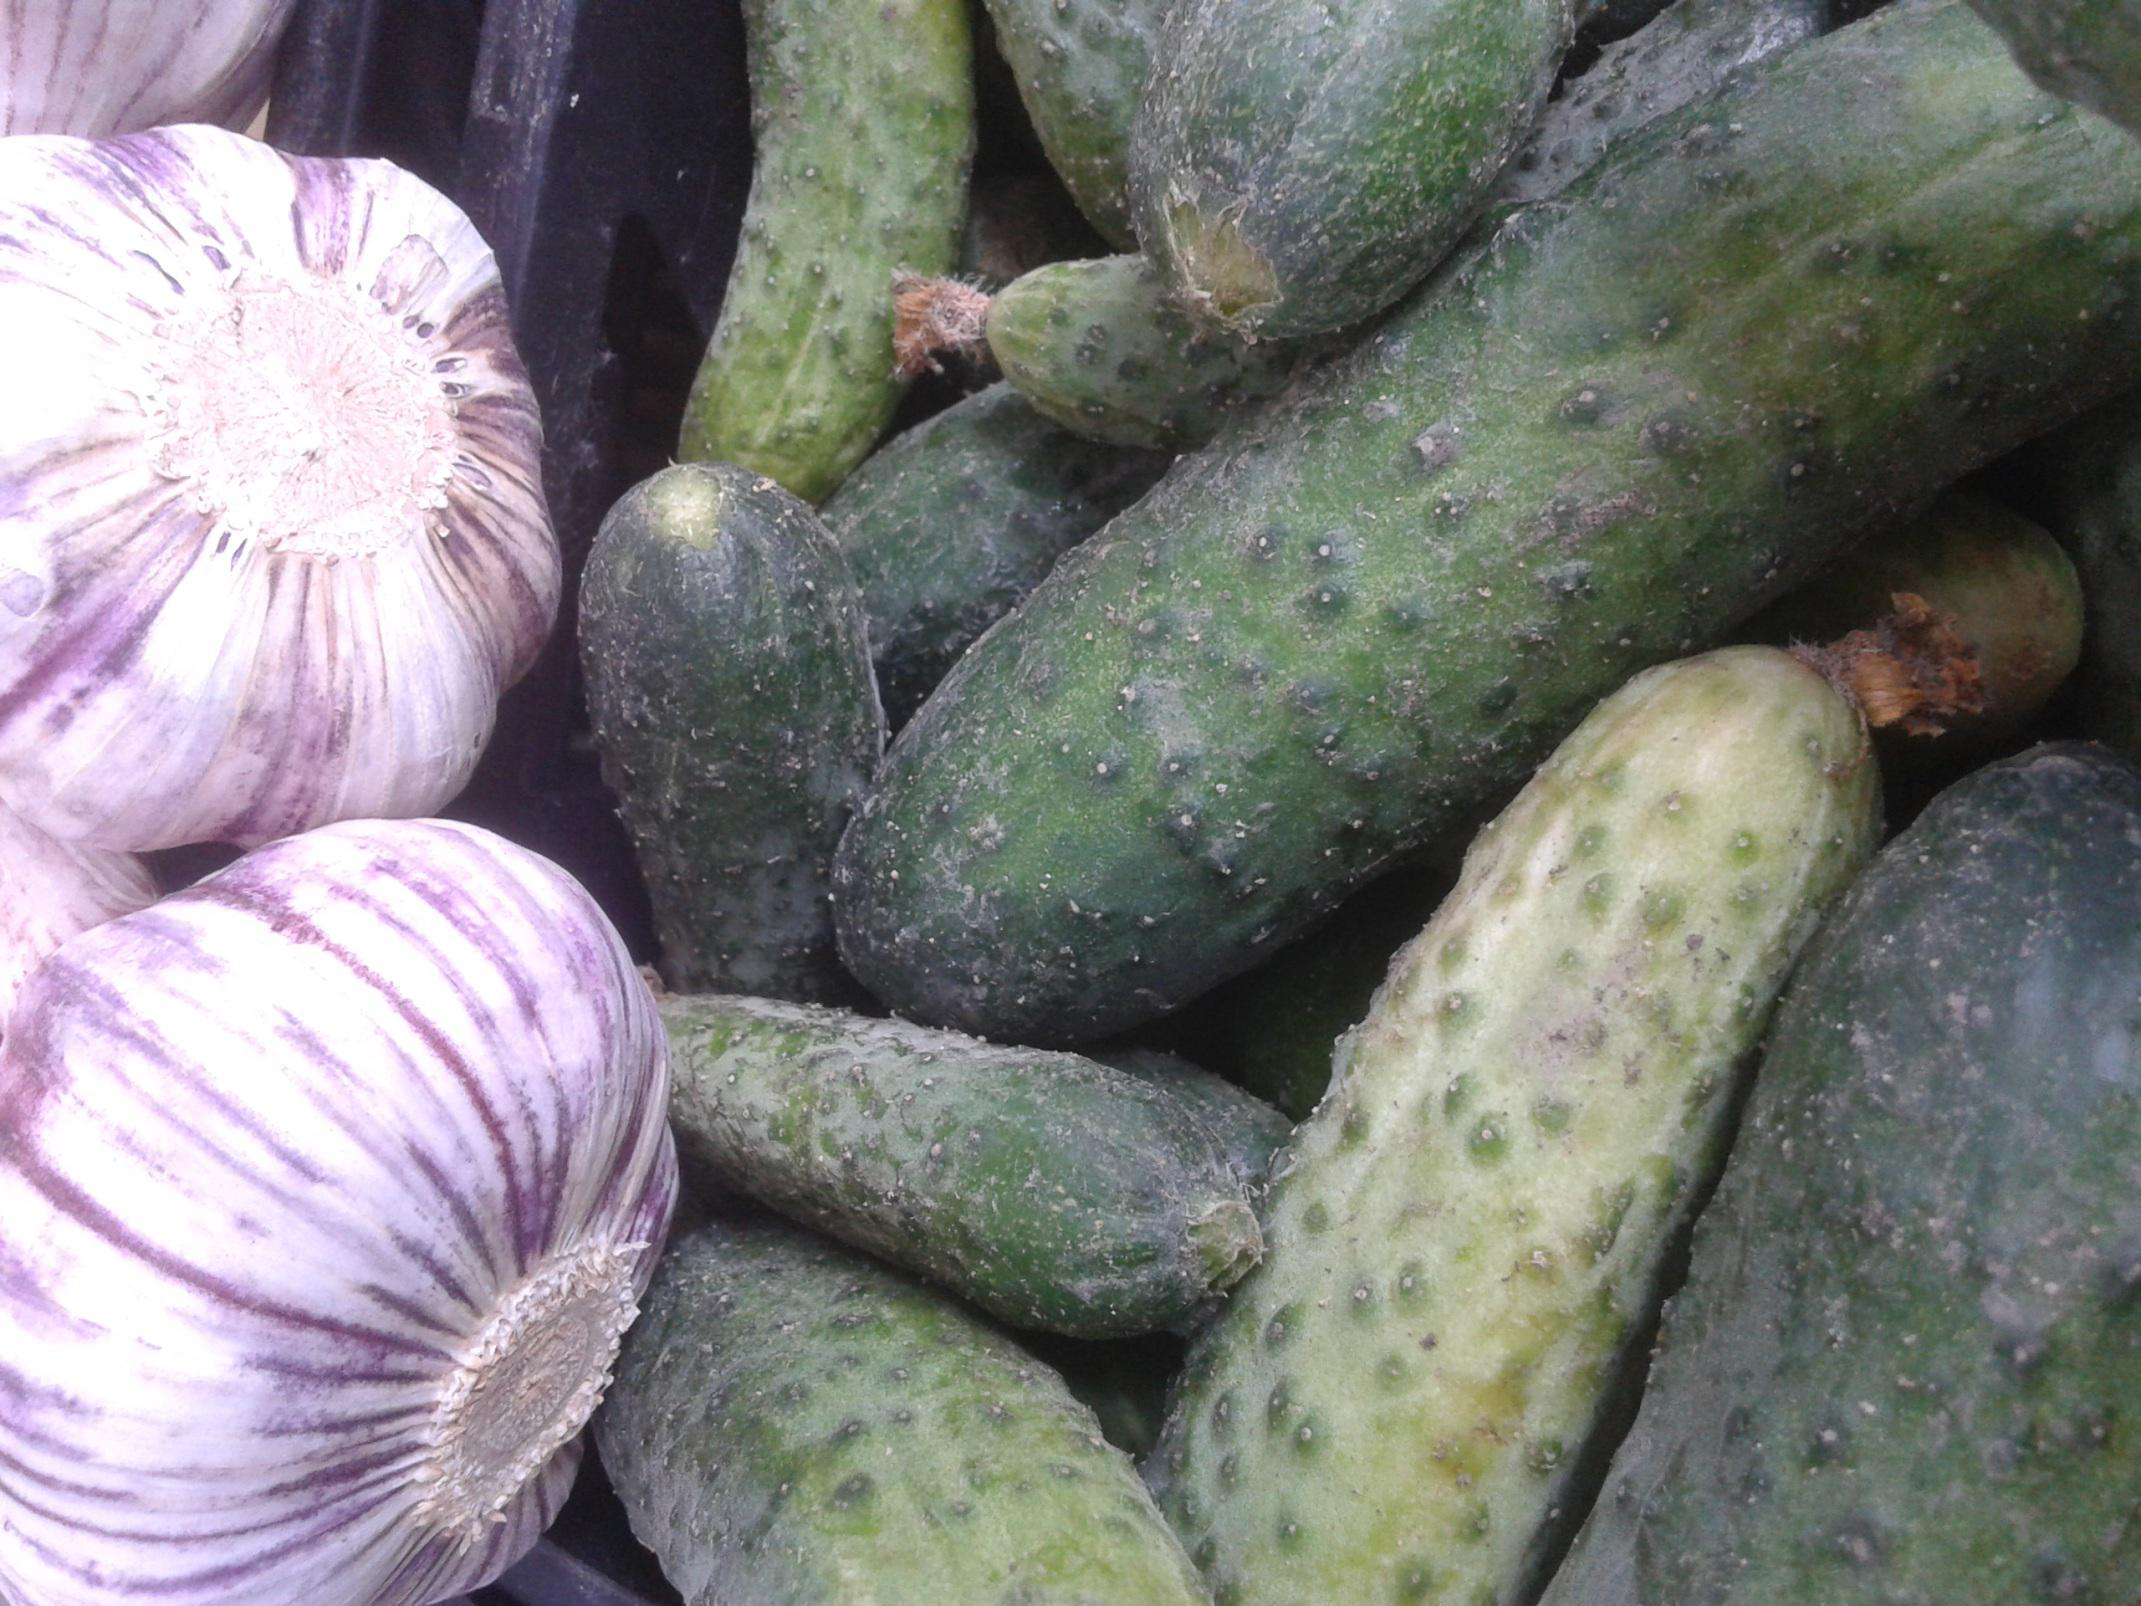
(1473,1223)
(1051,1190)
(1625,419)
(793,1422)
(863,116)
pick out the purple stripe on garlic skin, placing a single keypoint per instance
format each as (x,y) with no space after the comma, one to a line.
(290,1163)
(52,890)
(272,530)
(99,67)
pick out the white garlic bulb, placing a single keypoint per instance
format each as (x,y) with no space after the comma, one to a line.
(272,530)
(328,1186)
(52,890)
(98,67)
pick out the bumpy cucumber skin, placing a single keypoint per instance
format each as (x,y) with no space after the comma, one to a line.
(1051,1190)
(2086,50)
(1765,326)
(1686,52)
(1906,1367)
(1081,67)
(949,525)
(863,116)
(792,1422)
(1299,164)
(729,686)
(1472,1224)
(1102,347)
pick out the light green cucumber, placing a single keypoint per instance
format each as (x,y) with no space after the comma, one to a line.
(1688,50)
(1081,67)
(1051,1190)
(1101,347)
(1472,1225)
(1905,1369)
(2087,50)
(862,114)
(948,526)
(729,687)
(1605,433)
(792,1422)
(1299,164)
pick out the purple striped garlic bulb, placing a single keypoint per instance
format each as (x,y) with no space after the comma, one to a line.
(327,1189)
(52,890)
(97,67)
(272,530)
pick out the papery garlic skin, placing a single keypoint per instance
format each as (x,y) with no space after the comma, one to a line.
(97,67)
(272,530)
(329,1185)
(52,890)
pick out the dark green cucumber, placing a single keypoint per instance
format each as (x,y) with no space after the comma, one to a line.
(1999,580)
(2087,487)
(1299,164)
(1102,348)
(729,686)
(1474,1223)
(1686,52)
(2086,50)
(1249,1130)
(792,1422)
(1081,67)
(1051,1190)
(862,113)
(949,525)
(1768,324)
(1906,1367)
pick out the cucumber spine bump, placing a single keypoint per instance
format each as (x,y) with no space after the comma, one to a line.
(1608,429)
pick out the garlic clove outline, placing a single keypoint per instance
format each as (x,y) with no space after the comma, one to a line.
(329,1185)
(272,529)
(97,67)
(52,890)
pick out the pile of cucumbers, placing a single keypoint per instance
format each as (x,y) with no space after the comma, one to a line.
(1438,897)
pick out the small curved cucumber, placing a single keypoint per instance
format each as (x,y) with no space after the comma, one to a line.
(729,686)
(1103,348)
(1906,1364)
(1081,67)
(792,1421)
(1051,1190)
(1473,1224)
(862,112)
(2086,51)
(1299,164)
(947,527)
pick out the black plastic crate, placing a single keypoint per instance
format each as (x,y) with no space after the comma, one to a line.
(603,149)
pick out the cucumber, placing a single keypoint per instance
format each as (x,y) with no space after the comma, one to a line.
(1081,67)
(729,687)
(2001,582)
(2086,50)
(1299,164)
(793,1422)
(1249,1131)
(2087,486)
(1052,1191)
(1686,52)
(1906,1368)
(1474,1222)
(1596,441)
(862,115)
(950,524)
(1102,348)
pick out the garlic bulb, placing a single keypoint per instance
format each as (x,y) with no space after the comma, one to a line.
(51,890)
(272,532)
(98,67)
(329,1186)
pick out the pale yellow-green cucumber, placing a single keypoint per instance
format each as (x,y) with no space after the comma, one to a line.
(1472,1225)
